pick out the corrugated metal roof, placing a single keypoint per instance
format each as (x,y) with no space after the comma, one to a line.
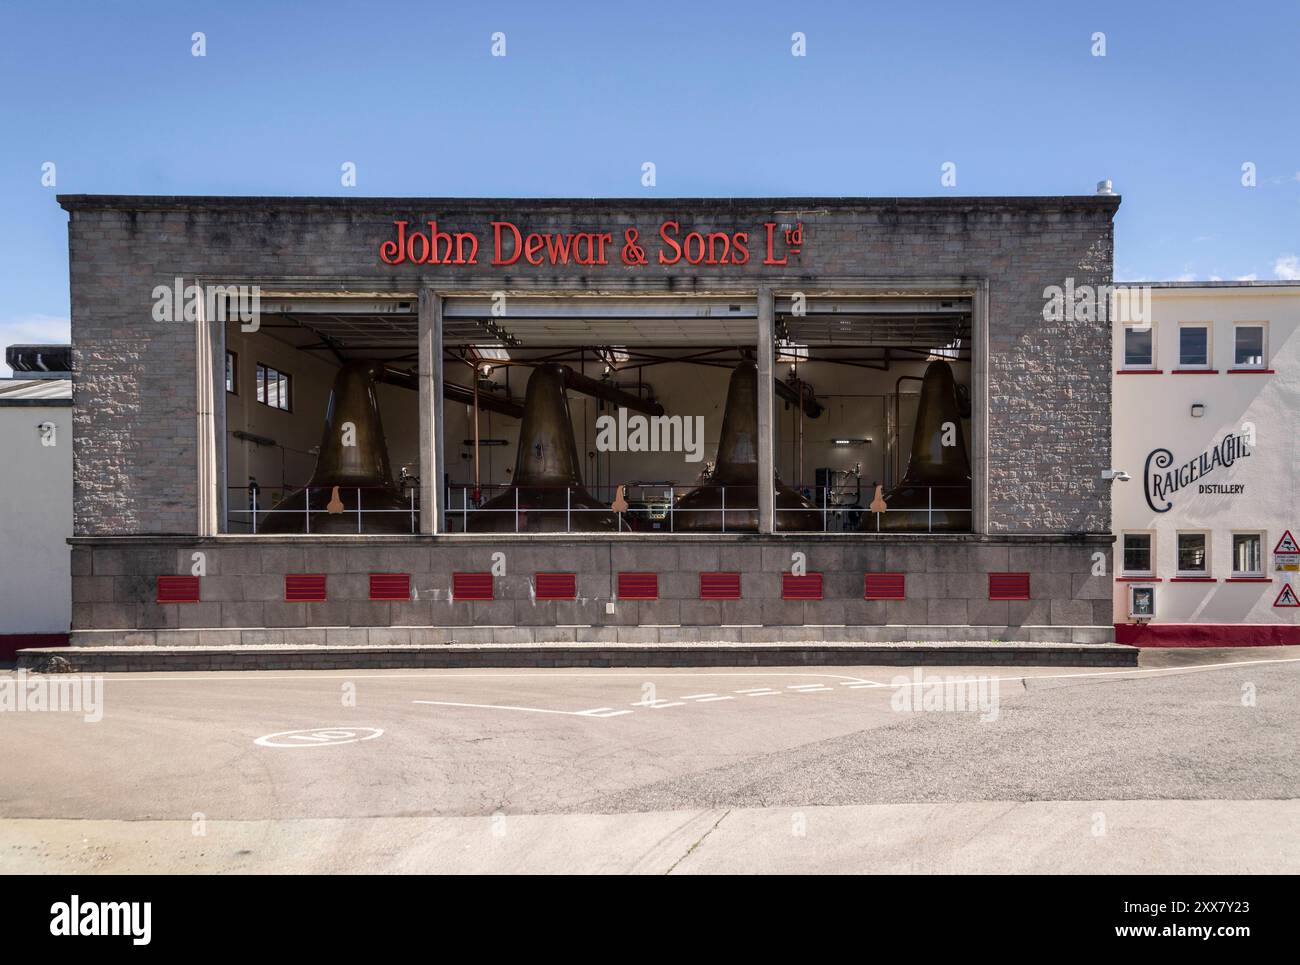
(28,390)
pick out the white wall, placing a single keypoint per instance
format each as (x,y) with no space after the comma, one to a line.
(1154,411)
(35,521)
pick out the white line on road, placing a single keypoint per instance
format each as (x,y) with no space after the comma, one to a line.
(530,710)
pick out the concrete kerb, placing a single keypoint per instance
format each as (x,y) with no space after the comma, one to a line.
(463,655)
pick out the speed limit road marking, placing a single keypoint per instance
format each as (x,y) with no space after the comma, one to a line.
(319,737)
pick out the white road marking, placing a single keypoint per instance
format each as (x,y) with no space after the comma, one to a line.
(656,704)
(603,712)
(319,737)
(810,688)
(530,710)
(709,700)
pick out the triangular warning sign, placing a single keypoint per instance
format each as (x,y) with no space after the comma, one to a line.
(1287,544)
(1287,597)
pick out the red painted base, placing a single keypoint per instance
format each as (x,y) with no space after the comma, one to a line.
(1208,634)
(11,643)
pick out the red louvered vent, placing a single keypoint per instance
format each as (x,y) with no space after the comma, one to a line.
(390,586)
(556,586)
(885,586)
(178,589)
(1008,586)
(638,586)
(801,587)
(471,586)
(719,586)
(304,587)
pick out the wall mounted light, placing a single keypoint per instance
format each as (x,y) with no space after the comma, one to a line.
(1198,409)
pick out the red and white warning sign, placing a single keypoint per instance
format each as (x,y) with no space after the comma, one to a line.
(1286,554)
(1287,597)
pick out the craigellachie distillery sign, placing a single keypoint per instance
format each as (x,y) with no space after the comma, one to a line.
(505,244)
(1161,481)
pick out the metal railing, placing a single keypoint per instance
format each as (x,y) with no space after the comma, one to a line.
(661,512)
(651,509)
(316,501)
(854,514)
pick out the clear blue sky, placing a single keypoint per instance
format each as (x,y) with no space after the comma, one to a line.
(1010,92)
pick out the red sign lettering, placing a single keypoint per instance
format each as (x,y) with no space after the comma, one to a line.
(710,248)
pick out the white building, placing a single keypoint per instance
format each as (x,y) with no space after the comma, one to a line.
(1206,406)
(36,488)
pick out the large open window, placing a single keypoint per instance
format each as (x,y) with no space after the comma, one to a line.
(325,437)
(575,413)
(881,441)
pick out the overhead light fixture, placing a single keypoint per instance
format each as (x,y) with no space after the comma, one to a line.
(787,351)
(849,442)
(613,356)
(950,351)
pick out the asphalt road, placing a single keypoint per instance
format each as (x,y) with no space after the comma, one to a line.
(1189,763)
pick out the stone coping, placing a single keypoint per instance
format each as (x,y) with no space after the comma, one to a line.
(487,647)
(867,539)
(160,202)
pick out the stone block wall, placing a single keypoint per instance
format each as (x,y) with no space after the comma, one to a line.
(242,591)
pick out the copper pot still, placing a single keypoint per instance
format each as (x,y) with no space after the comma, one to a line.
(546,486)
(353,458)
(736,471)
(934,494)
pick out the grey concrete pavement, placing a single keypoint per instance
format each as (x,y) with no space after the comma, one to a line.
(1190,762)
(987,837)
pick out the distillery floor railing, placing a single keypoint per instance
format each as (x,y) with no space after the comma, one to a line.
(659,508)
(343,505)
(642,509)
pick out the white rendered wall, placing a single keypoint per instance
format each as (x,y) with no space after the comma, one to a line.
(1154,411)
(35,521)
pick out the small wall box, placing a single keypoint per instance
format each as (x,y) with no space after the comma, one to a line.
(1141,601)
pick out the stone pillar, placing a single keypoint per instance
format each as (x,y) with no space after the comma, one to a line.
(209,337)
(766,411)
(979,489)
(431,405)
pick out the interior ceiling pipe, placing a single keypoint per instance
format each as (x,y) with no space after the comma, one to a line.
(453,392)
(803,396)
(602,390)
(465,396)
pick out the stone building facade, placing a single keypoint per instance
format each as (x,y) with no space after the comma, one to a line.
(147,470)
